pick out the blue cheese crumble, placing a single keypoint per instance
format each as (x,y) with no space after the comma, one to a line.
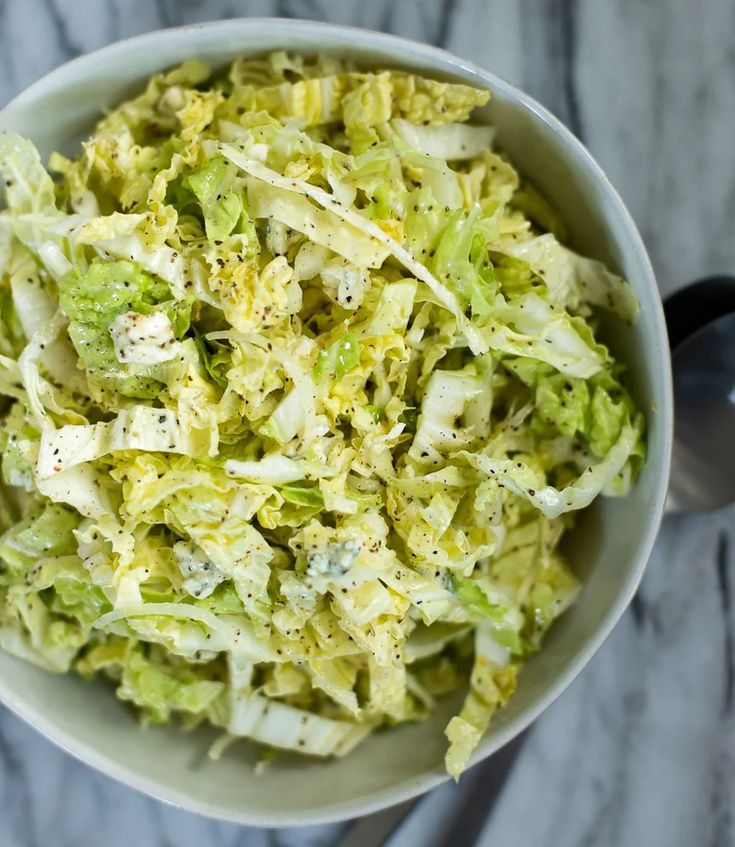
(201,575)
(335,558)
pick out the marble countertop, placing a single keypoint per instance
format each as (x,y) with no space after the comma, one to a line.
(641,749)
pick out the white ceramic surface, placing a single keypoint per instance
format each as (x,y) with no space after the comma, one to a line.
(89,723)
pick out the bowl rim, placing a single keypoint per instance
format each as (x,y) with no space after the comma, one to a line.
(438,60)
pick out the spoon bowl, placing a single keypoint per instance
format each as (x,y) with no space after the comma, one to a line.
(701,320)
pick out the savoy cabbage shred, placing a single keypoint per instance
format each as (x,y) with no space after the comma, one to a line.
(301,389)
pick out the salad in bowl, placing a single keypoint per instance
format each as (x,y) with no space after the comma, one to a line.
(302,390)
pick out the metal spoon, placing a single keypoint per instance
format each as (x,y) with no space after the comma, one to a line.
(701,322)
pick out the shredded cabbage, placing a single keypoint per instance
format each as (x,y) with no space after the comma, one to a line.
(300,392)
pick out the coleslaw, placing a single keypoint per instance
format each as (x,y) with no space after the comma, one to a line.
(301,391)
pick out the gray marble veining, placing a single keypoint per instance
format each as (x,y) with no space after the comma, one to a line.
(641,749)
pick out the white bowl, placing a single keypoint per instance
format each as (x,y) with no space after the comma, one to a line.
(609,549)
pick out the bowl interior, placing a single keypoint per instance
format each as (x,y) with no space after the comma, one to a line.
(57,113)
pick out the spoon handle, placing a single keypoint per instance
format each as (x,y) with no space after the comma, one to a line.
(479,790)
